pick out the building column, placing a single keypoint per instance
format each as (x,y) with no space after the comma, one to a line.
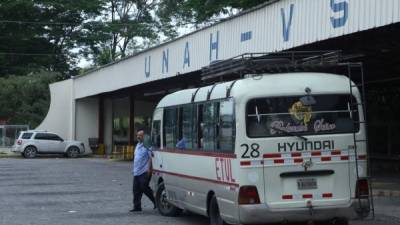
(131,132)
(101,120)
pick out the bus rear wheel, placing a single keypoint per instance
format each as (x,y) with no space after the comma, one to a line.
(215,216)
(164,207)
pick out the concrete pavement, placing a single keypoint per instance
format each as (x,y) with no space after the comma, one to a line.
(86,191)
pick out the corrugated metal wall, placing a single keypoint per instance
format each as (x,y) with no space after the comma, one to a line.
(282,25)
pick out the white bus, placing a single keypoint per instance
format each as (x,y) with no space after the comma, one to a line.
(264,149)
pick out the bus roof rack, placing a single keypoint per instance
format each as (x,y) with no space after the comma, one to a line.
(278,62)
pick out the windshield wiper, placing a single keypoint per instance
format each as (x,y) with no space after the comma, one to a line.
(291,134)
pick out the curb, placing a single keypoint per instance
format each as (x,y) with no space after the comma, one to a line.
(385,193)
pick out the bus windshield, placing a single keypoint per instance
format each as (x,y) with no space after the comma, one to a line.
(301,115)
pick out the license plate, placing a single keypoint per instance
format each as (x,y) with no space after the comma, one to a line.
(306,183)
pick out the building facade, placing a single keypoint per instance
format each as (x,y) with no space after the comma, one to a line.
(110,102)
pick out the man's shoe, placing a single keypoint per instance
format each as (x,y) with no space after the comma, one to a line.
(135,210)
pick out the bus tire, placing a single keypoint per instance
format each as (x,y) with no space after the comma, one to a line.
(164,207)
(215,216)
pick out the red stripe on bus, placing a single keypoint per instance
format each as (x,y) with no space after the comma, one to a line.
(245,163)
(272,155)
(325,158)
(199,153)
(287,197)
(315,153)
(279,161)
(327,195)
(298,160)
(296,154)
(346,157)
(307,196)
(362,157)
(198,178)
(336,152)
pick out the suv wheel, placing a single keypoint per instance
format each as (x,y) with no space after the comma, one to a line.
(30,152)
(73,152)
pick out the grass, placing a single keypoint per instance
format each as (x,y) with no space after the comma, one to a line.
(9,155)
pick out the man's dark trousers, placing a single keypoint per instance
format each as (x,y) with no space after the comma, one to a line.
(140,186)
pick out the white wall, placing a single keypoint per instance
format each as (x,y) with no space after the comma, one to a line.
(60,117)
(87,120)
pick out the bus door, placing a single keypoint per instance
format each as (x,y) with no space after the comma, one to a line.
(156,137)
(305,142)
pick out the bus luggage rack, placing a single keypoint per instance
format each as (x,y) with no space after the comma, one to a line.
(256,63)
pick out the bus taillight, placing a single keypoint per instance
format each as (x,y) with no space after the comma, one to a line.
(248,195)
(362,190)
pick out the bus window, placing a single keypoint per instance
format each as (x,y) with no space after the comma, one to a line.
(170,127)
(226,126)
(278,116)
(200,126)
(155,134)
(186,142)
(209,127)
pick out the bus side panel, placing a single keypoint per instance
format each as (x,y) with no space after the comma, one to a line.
(188,186)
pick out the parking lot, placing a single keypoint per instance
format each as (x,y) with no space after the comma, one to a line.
(52,190)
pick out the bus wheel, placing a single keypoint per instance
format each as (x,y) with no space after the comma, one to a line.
(215,216)
(164,207)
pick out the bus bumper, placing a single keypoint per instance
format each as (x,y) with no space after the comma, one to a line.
(261,214)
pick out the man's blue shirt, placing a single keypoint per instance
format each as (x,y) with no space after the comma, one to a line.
(141,160)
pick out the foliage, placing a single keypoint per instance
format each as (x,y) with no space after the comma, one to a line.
(127,26)
(200,12)
(25,99)
(40,34)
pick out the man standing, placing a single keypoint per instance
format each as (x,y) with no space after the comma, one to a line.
(141,170)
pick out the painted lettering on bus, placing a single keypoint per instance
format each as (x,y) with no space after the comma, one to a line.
(306,146)
(223,170)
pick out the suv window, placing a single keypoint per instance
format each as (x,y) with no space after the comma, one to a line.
(54,137)
(47,136)
(41,136)
(26,135)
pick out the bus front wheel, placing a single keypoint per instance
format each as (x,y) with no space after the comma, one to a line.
(164,207)
(215,216)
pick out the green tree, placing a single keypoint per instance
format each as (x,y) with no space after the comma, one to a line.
(125,27)
(200,12)
(25,99)
(41,34)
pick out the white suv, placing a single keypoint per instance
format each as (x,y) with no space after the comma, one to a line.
(30,143)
